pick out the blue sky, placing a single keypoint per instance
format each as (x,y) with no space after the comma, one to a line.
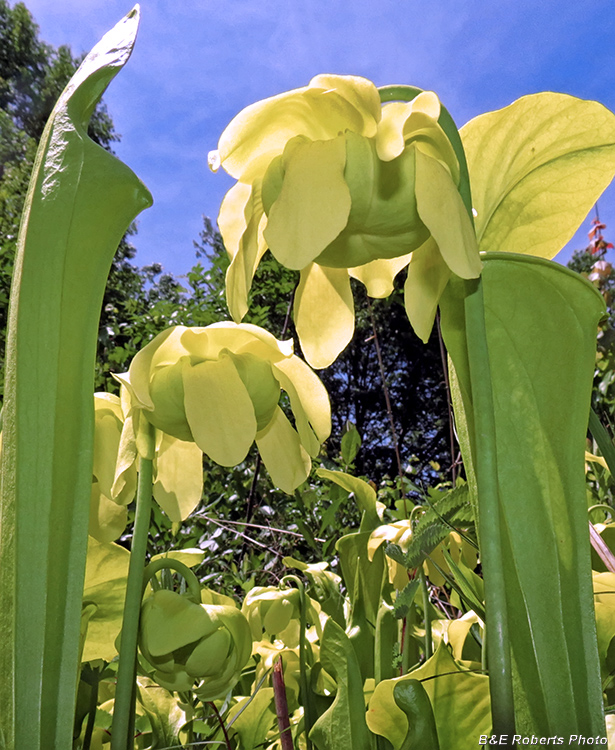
(198,62)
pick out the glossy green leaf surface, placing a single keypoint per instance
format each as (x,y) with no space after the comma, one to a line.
(342,726)
(459,699)
(105,587)
(80,201)
(164,711)
(536,169)
(540,326)
(411,697)
(364,494)
(252,718)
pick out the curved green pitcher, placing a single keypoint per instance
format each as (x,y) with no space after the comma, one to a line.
(540,328)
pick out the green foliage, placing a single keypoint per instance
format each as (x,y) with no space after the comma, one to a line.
(48,415)
(32,77)
(536,454)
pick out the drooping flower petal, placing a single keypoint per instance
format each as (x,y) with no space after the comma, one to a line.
(138,379)
(219,410)
(360,93)
(390,140)
(167,392)
(126,456)
(107,432)
(378,276)
(443,212)
(234,216)
(263,388)
(324,313)
(107,519)
(328,106)
(178,481)
(313,205)
(285,458)
(427,277)
(246,250)
(208,343)
(309,402)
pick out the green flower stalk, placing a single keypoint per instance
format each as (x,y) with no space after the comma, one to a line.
(338,186)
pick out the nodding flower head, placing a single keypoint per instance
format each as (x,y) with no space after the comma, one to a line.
(337,185)
(220,387)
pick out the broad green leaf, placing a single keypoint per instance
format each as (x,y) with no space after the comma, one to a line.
(80,201)
(351,442)
(363,578)
(106,572)
(365,495)
(386,638)
(411,697)
(540,328)
(252,718)
(459,698)
(166,715)
(342,726)
(536,169)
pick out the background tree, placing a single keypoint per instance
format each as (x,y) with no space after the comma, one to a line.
(32,76)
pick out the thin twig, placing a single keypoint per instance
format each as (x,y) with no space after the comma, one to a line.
(259,526)
(387,401)
(246,537)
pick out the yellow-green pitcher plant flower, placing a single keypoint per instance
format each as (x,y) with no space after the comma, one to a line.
(276,612)
(177,467)
(337,185)
(194,646)
(108,514)
(220,386)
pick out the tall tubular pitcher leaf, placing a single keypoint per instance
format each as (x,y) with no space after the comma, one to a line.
(80,201)
(540,322)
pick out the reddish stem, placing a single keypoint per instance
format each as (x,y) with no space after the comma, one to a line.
(281,705)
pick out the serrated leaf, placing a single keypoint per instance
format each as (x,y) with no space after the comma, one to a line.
(424,542)
(395,552)
(404,599)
